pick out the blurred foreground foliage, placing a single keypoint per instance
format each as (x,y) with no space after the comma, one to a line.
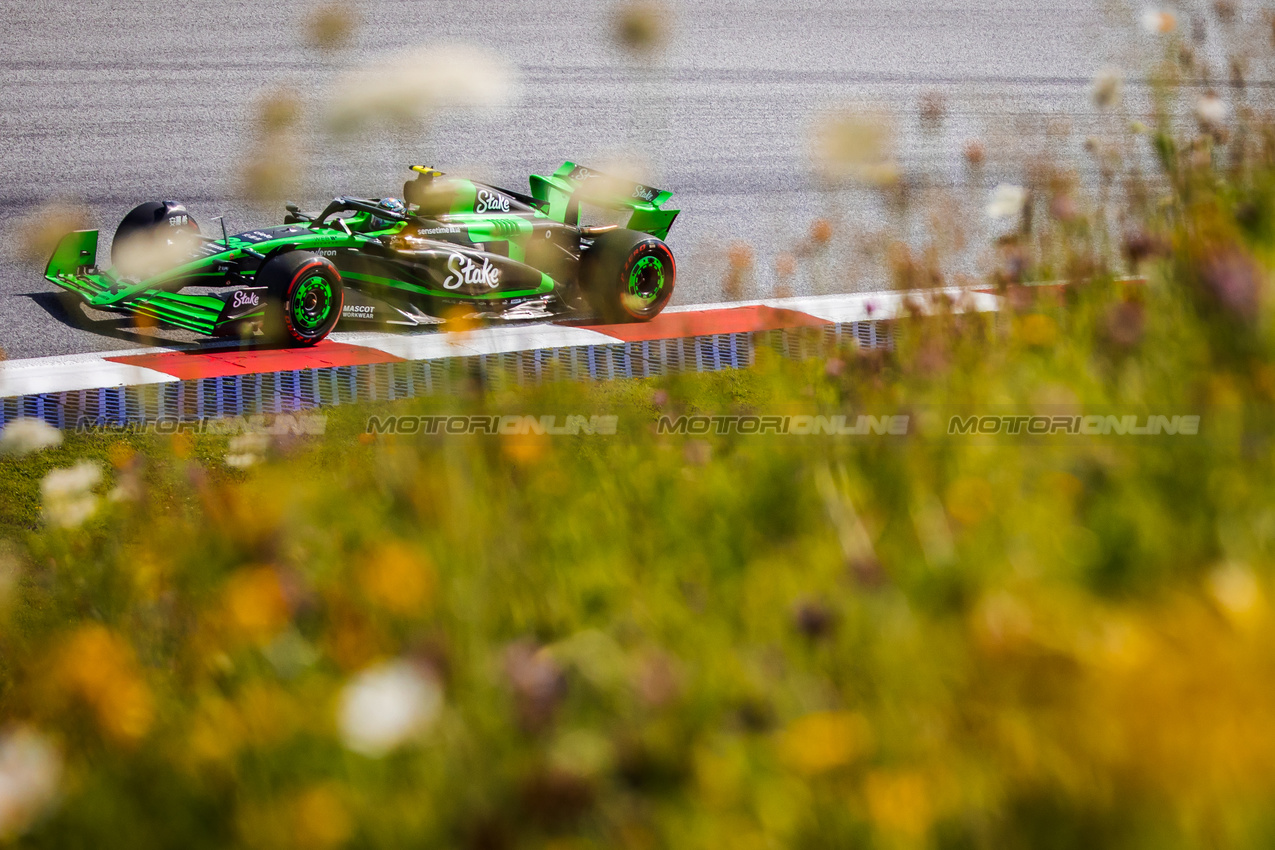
(652,640)
(648,640)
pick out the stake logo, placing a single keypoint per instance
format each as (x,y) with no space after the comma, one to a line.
(644,193)
(465,272)
(246,299)
(491,202)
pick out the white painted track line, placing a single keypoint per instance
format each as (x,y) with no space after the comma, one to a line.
(73,372)
(435,345)
(863,306)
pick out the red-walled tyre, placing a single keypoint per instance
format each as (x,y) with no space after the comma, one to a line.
(628,276)
(304,298)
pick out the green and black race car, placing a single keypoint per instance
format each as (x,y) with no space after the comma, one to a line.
(450,247)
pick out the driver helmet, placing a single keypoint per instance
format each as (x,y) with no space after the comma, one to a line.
(393,205)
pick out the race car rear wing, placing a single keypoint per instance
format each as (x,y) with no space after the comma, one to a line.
(573,184)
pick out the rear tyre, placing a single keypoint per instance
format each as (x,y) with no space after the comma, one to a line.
(628,276)
(152,237)
(304,298)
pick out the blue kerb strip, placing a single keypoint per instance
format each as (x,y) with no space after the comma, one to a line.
(307,389)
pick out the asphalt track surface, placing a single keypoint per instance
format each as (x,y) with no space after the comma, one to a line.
(108,104)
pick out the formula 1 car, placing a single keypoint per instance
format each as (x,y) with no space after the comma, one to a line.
(450,247)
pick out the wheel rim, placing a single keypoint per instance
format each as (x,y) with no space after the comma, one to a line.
(312,302)
(646,278)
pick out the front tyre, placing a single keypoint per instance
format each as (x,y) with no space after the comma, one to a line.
(304,298)
(628,276)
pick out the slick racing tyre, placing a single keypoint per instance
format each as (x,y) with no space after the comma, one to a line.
(153,237)
(628,276)
(303,298)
